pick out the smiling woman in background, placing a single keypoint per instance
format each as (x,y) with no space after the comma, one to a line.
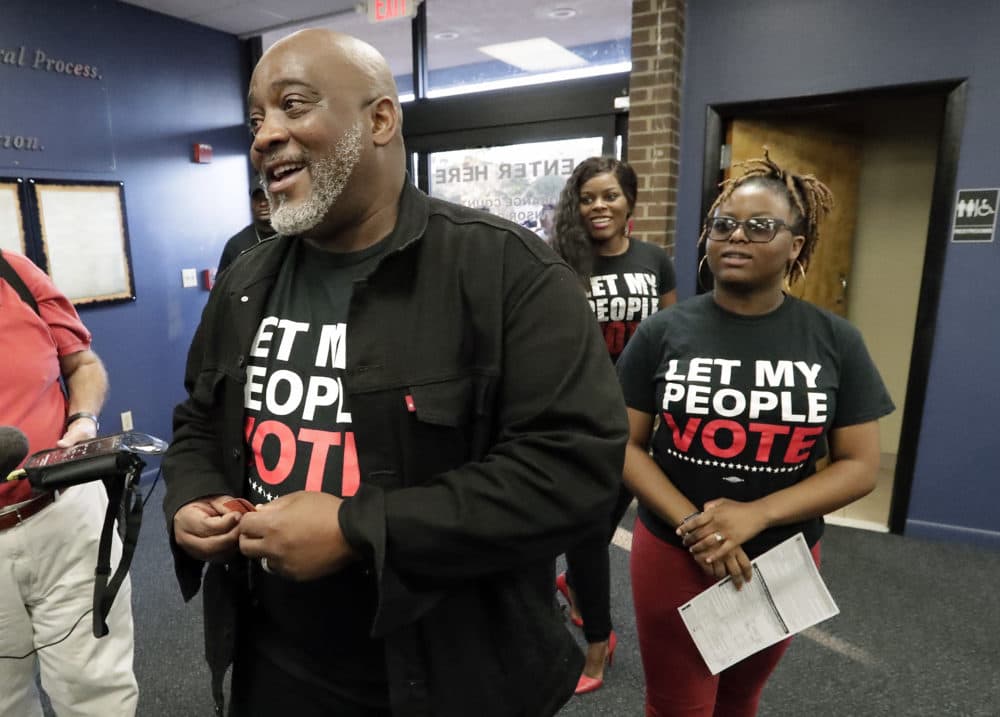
(626,281)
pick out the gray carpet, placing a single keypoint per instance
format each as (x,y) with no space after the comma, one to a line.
(917,635)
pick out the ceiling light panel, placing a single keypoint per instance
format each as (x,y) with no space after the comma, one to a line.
(538,54)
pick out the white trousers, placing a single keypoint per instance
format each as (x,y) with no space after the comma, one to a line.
(46,583)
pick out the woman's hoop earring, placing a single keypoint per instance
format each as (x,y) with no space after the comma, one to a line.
(801,269)
(701,266)
(790,275)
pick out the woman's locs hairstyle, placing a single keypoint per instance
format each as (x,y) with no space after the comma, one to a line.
(572,241)
(811,201)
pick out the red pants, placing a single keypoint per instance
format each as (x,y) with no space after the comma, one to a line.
(678,684)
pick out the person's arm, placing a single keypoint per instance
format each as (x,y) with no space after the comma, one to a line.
(657,493)
(551,472)
(852,473)
(637,368)
(668,299)
(645,478)
(206,530)
(87,386)
(296,535)
(82,372)
(199,529)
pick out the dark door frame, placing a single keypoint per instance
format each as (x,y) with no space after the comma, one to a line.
(953,94)
(579,108)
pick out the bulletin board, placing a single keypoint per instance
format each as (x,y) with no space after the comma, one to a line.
(12,216)
(83,233)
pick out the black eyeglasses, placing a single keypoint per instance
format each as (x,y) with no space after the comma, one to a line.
(759,230)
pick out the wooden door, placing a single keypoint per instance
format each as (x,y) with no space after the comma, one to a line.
(833,155)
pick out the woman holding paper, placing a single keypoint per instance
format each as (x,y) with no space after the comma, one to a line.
(749,385)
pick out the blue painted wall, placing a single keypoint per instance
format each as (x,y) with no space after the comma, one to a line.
(168,84)
(768,49)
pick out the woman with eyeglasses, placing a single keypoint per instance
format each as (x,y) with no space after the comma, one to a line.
(626,280)
(747,383)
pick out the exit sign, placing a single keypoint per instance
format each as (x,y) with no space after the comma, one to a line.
(385,10)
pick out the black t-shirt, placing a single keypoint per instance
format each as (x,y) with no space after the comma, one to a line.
(299,437)
(743,401)
(626,288)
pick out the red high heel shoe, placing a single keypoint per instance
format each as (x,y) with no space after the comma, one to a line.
(563,587)
(589,684)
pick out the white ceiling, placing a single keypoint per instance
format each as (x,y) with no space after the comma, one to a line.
(474,22)
(247,17)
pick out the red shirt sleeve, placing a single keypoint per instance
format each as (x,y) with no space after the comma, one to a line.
(30,395)
(68,331)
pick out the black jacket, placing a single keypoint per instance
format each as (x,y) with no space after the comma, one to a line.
(515,448)
(238,243)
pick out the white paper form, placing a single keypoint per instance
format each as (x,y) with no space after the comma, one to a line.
(785,596)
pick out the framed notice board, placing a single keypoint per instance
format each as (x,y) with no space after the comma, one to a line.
(13,236)
(83,234)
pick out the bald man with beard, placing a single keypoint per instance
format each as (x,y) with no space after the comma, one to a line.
(396,419)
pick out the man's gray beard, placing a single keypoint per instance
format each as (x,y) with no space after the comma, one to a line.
(329,176)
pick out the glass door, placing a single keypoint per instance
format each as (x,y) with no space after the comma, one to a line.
(520,182)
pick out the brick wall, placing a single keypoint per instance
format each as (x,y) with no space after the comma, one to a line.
(654,114)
